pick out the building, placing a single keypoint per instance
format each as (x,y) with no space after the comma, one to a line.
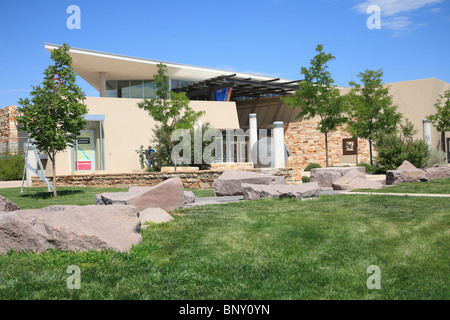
(117,128)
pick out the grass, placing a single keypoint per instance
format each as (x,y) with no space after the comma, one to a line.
(202,193)
(35,198)
(264,249)
(439,186)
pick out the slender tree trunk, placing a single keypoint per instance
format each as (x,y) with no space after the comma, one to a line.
(370,152)
(54,176)
(443,140)
(326,147)
(175,156)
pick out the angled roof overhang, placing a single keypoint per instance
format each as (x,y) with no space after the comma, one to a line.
(88,64)
(242,87)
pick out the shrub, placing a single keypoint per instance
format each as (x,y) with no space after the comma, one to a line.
(434,157)
(393,149)
(11,167)
(305,179)
(312,166)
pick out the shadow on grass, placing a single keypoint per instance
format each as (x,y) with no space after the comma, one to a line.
(49,195)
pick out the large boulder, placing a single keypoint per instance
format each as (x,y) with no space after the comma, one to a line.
(167,195)
(438,172)
(7,206)
(70,228)
(406,165)
(230,182)
(325,177)
(154,215)
(189,197)
(343,183)
(355,179)
(299,191)
(409,175)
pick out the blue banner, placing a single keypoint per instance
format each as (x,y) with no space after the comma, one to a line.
(223,94)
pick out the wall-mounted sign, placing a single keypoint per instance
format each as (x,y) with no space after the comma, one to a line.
(84,151)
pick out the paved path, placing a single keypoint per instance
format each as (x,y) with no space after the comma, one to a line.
(400,194)
(10,184)
(214,200)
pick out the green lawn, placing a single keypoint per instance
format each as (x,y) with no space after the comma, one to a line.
(439,186)
(264,249)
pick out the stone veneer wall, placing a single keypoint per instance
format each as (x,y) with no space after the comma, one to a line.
(307,145)
(8,130)
(195,180)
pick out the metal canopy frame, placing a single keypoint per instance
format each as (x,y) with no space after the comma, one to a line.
(242,87)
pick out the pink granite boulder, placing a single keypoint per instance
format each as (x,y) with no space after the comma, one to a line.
(70,228)
(230,182)
(167,195)
(299,191)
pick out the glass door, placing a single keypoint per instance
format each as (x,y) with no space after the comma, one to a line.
(85,151)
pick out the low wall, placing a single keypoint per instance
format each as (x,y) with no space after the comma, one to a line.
(194,180)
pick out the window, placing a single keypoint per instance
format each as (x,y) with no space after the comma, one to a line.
(149,89)
(111,89)
(349,146)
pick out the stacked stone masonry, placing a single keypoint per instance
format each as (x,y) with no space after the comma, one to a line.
(307,145)
(194,180)
(8,130)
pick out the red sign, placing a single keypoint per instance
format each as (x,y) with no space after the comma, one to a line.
(84,165)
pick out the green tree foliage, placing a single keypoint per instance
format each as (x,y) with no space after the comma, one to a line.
(163,146)
(317,95)
(370,107)
(170,109)
(395,148)
(441,119)
(54,115)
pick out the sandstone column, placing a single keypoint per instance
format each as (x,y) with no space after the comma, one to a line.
(253,139)
(427,131)
(102,83)
(278,145)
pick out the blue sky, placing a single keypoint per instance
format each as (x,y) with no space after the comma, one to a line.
(269,37)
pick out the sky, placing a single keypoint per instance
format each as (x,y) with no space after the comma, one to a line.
(267,37)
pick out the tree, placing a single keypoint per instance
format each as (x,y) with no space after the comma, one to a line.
(441,119)
(170,109)
(54,115)
(370,107)
(318,96)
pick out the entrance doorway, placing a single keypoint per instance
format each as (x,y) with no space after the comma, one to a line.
(85,151)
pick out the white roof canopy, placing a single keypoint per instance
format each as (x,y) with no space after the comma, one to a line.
(89,64)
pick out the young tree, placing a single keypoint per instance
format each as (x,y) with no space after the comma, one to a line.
(318,96)
(441,119)
(170,109)
(54,115)
(371,110)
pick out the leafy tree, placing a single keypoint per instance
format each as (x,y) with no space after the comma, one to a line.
(170,109)
(318,96)
(441,119)
(371,110)
(54,115)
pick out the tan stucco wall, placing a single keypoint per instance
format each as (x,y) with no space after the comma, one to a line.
(415,100)
(126,128)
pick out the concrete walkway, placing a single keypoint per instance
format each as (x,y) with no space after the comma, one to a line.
(400,194)
(11,184)
(214,200)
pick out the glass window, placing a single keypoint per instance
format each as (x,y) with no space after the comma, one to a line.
(111,89)
(149,89)
(136,89)
(123,89)
(176,84)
